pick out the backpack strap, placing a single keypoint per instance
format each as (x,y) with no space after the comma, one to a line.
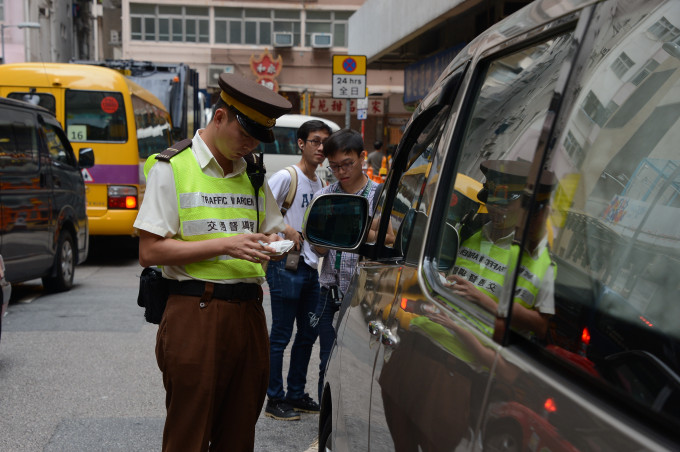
(173,150)
(291,190)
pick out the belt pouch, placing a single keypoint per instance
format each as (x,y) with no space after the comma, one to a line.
(153,294)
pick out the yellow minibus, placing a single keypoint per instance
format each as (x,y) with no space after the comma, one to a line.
(100,108)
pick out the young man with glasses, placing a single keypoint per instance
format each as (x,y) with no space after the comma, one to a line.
(345,152)
(294,285)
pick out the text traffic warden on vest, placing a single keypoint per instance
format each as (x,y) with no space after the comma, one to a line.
(212,345)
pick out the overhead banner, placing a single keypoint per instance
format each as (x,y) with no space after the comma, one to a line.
(325,105)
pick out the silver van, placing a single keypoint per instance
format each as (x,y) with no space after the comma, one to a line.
(522,293)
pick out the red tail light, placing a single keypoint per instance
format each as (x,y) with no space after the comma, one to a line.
(550,406)
(122,197)
(585,336)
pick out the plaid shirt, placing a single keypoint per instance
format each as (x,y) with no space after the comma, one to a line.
(330,276)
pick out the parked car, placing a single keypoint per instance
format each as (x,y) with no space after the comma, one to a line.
(43,222)
(5,293)
(561,332)
(284,151)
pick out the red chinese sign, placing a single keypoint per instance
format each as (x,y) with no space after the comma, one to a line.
(266,69)
(328,105)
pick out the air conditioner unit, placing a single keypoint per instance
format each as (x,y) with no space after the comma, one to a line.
(214,73)
(114,37)
(283,39)
(322,40)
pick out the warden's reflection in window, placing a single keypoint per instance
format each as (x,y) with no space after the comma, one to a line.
(486,258)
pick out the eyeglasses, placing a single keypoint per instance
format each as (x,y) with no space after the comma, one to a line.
(345,166)
(315,143)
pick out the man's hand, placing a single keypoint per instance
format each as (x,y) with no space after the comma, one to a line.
(294,236)
(249,247)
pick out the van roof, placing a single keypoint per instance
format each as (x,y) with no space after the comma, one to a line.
(295,121)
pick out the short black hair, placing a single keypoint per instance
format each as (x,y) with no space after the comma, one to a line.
(312,126)
(377,144)
(344,140)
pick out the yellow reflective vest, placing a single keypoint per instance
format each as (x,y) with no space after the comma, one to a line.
(486,265)
(212,207)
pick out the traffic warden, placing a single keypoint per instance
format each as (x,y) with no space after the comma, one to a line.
(294,283)
(201,221)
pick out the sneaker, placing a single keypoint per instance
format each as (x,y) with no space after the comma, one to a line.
(304,404)
(281,411)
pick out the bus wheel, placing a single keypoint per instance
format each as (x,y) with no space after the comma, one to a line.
(61,278)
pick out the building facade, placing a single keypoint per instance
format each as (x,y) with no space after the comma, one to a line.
(285,45)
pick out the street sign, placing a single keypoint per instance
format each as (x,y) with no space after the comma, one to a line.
(349,86)
(349,64)
(362,113)
(349,76)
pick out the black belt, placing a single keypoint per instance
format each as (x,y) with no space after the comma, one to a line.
(238,291)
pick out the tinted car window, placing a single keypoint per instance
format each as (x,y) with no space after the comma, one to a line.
(285,142)
(18,142)
(58,150)
(478,247)
(614,213)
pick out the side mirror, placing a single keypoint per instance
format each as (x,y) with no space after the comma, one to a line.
(85,158)
(337,221)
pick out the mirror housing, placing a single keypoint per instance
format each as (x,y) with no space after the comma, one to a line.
(85,158)
(337,221)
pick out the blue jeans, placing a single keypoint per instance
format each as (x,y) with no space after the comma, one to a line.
(294,295)
(325,310)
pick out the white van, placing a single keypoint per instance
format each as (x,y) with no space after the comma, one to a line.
(284,151)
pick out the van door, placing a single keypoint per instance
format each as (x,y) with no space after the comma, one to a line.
(26,197)
(435,382)
(607,377)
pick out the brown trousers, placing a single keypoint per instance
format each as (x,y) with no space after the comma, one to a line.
(214,356)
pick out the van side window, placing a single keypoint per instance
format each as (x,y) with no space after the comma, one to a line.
(285,142)
(614,216)
(58,150)
(18,141)
(478,248)
(413,193)
(95,116)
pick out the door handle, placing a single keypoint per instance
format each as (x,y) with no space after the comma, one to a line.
(375,327)
(389,339)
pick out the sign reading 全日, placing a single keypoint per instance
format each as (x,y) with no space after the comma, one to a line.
(349,76)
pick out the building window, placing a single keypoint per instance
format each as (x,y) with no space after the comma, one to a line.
(2,10)
(594,109)
(254,26)
(622,64)
(574,149)
(166,23)
(644,72)
(663,30)
(332,22)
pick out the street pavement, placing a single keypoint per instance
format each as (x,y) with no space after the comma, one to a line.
(78,370)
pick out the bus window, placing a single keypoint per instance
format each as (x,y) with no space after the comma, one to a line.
(95,116)
(41,99)
(153,127)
